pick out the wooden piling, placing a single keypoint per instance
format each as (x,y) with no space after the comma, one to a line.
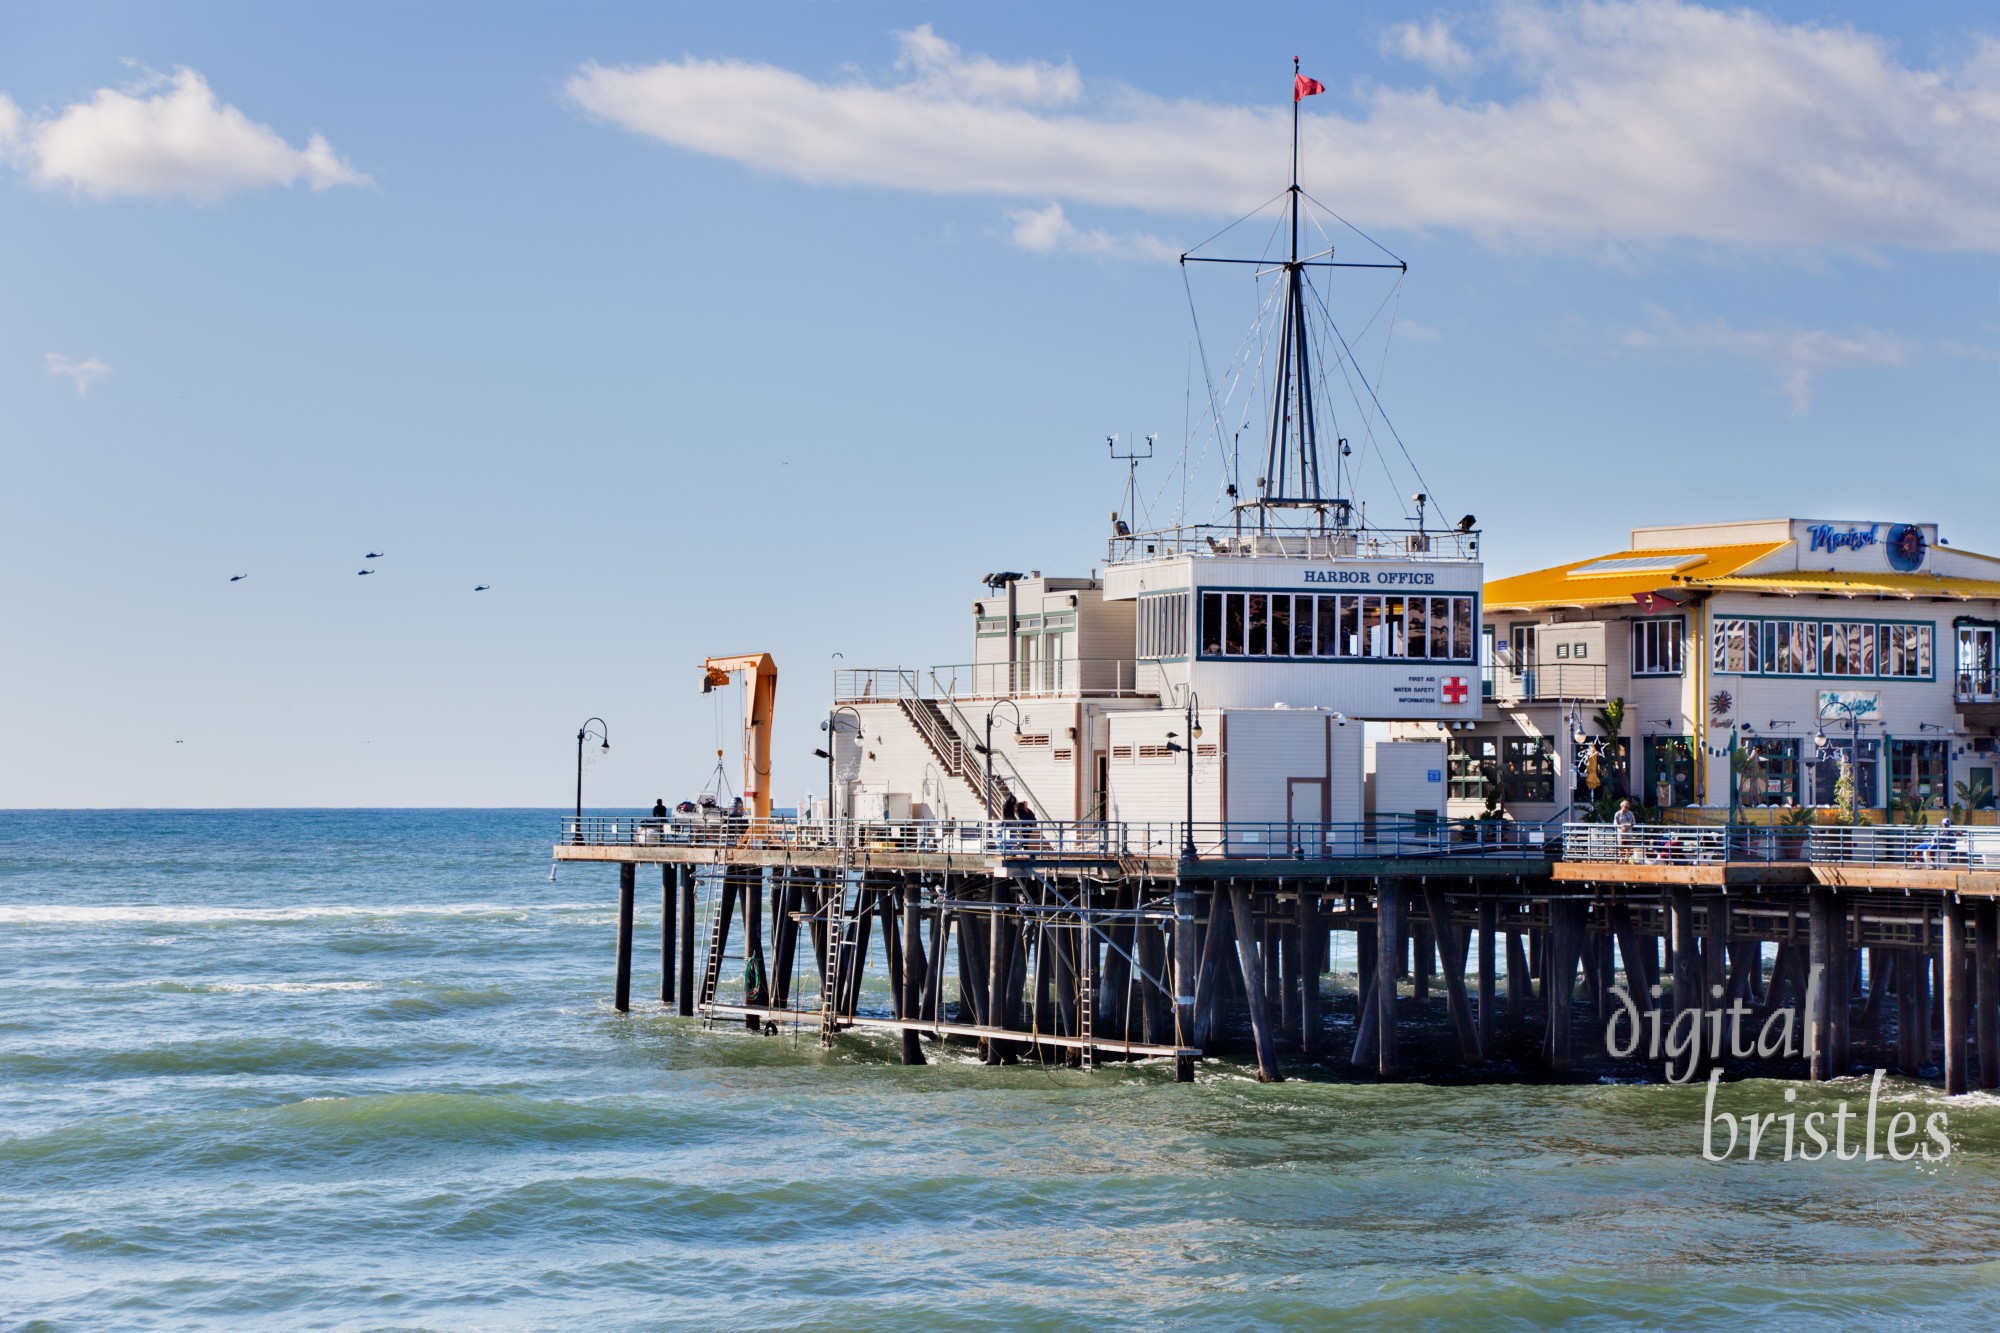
(685,876)
(1715,952)
(621,991)
(1957,1003)
(1687,954)
(1986,970)
(1489,917)
(1389,935)
(1520,976)
(756,987)
(1638,983)
(910,993)
(1253,976)
(1561,950)
(1312,939)
(669,902)
(1445,931)
(1187,971)
(1819,953)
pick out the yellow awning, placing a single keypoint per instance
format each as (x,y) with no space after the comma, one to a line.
(1575,584)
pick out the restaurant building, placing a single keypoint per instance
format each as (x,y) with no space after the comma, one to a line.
(1728,665)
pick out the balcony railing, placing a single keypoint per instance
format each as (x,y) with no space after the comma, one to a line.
(1977,686)
(1068,677)
(1376,839)
(1918,845)
(1554,682)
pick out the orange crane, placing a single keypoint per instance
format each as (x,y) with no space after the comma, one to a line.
(760,698)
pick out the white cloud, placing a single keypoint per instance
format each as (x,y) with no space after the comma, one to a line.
(1798,356)
(942,70)
(83,374)
(1415,332)
(1970,351)
(1049,231)
(1629,121)
(1429,44)
(165,139)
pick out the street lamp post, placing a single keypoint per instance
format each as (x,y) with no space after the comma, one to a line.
(603,734)
(1193,735)
(1851,713)
(832,729)
(987,749)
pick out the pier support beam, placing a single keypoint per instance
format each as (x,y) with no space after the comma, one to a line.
(908,1000)
(621,988)
(1312,946)
(1247,936)
(1445,932)
(1819,955)
(1489,916)
(685,877)
(669,905)
(1687,960)
(1186,971)
(1957,1003)
(1985,920)
(1388,958)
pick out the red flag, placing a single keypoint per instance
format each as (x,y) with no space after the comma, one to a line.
(1303,87)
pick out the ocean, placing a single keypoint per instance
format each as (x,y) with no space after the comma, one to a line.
(359,1070)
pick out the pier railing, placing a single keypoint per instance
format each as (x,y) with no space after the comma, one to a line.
(1918,845)
(1377,839)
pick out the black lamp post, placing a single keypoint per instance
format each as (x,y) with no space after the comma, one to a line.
(831,727)
(1193,735)
(987,749)
(603,734)
(1851,713)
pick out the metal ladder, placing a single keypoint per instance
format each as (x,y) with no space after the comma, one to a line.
(1086,986)
(836,945)
(711,974)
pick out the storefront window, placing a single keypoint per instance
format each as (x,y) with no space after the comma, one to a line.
(1473,763)
(1919,769)
(1824,772)
(1773,777)
(1669,770)
(1527,769)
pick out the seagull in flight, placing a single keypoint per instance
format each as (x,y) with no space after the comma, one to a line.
(372,555)
(364,571)
(238,578)
(482,587)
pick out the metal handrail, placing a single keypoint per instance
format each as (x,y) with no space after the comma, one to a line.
(1383,838)
(1078,677)
(1919,845)
(1551,682)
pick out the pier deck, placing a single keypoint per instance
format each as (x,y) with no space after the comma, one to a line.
(1075,942)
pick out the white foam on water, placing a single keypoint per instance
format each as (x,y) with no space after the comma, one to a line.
(71,914)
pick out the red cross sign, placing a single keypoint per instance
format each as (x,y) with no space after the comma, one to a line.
(1454,689)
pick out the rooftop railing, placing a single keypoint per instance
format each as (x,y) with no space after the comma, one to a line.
(1215,540)
(1095,677)
(1373,840)
(1917,845)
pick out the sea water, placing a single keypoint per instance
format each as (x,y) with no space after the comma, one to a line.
(359,1070)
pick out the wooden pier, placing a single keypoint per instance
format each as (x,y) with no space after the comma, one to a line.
(1064,946)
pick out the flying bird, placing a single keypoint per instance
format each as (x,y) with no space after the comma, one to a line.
(482,587)
(364,571)
(372,555)
(238,578)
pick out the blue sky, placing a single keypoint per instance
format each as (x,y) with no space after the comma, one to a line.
(705,329)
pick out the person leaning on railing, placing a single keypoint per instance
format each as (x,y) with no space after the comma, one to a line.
(1626,823)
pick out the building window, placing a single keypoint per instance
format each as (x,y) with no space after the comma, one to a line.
(1335,625)
(1919,769)
(1977,661)
(1669,770)
(1656,646)
(1527,769)
(1614,762)
(1824,771)
(1773,776)
(1841,649)
(1472,763)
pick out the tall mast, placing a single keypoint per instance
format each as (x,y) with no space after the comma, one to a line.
(1291,477)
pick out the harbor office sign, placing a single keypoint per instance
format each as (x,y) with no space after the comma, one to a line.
(1375,578)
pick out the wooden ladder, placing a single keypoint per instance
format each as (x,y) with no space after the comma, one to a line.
(718,920)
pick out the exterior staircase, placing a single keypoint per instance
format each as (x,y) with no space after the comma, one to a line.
(955,757)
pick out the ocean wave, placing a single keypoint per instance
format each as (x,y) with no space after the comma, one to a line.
(70,914)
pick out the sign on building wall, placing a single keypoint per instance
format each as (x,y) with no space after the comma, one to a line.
(1839,705)
(1429,688)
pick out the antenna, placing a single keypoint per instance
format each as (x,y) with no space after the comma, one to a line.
(1131,458)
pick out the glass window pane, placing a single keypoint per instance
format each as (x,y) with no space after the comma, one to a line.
(1281,625)
(1232,641)
(1302,626)
(1374,636)
(1420,638)
(1350,626)
(1260,624)
(1211,623)
(1461,629)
